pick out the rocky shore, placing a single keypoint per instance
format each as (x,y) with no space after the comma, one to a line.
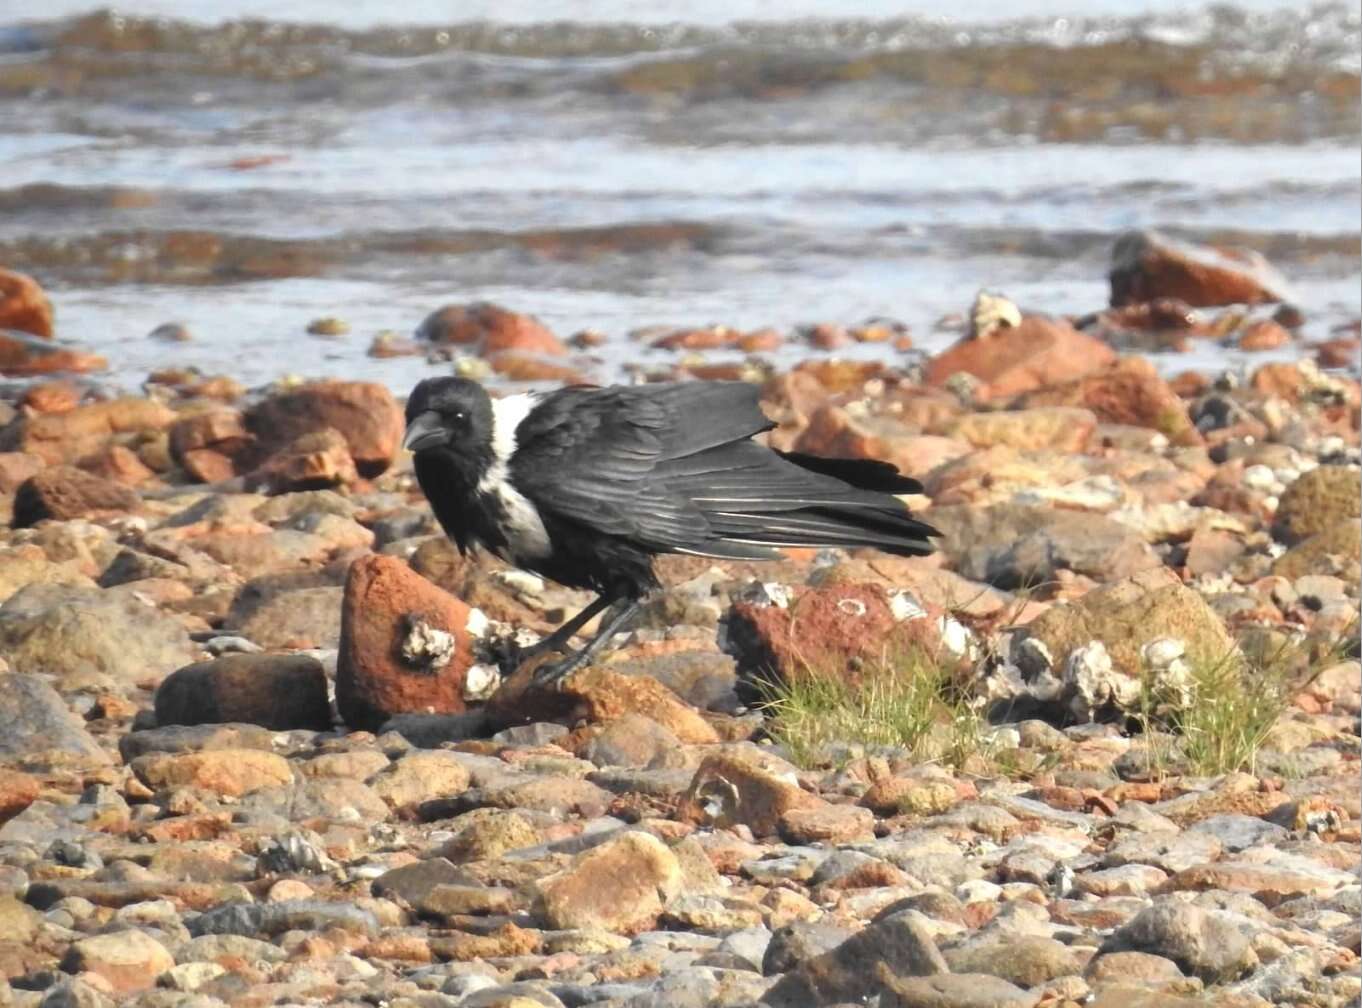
(260,744)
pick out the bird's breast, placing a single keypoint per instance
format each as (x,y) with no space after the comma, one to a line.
(516,521)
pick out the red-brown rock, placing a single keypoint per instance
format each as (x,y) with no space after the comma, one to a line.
(404,648)
(1338,353)
(1264,334)
(1129,391)
(119,464)
(364,413)
(51,397)
(18,791)
(1146,265)
(30,355)
(716,337)
(64,492)
(488,328)
(522,366)
(207,445)
(595,694)
(842,629)
(313,461)
(66,437)
(730,789)
(277,691)
(24,305)
(1012,360)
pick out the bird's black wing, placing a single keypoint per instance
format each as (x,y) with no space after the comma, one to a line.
(671,468)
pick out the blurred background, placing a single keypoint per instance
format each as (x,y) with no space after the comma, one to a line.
(243,167)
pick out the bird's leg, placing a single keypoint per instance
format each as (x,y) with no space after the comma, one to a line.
(555,672)
(556,640)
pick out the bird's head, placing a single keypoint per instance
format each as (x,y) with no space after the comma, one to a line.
(451,413)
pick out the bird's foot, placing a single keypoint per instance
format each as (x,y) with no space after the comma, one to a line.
(551,674)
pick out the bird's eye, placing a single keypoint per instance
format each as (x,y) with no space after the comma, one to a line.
(458,416)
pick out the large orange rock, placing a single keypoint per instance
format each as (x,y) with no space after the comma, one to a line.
(365,414)
(69,436)
(29,355)
(1129,391)
(23,305)
(1012,360)
(489,328)
(404,648)
(1146,265)
(207,445)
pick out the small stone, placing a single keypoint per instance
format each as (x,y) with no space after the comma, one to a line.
(833,824)
(37,729)
(277,691)
(1202,943)
(963,990)
(228,772)
(24,305)
(418,777)
(129,960)
(64,492)
(728,790)
(620,885)
(328,325)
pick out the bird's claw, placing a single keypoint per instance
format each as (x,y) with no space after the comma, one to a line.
(550,675)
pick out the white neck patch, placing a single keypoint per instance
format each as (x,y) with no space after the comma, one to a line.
(524,530)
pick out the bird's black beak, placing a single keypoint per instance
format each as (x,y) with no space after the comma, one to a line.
(424,431)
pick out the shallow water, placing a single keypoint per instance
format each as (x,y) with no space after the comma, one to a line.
(608,171)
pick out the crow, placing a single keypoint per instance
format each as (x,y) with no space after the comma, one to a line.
(586,484)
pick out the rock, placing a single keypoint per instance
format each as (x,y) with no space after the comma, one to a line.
(1317,501)
(227,772)
(488,834)
(596,694)
(307,618)
(128,960)
(1013,545)
(84,636)
(520,366)
(315,460)
(1270,884)
(1203,943)
(59,438)
(1146,265)
(800,942)
(1264,334)
(488,328)
(900,943)
(826,627)
(1024,960)
(207,445)
(1335,550)
(15,468)
(621,885)
(419,776)
(278,691)
(1133,968)
(631,741)
(21,566)
(1126,617)
(364,413)
(22,355)
(1059,428)
(1126,391)
(729,789)
(405,645)
(64,492)
(36,729)
(1016,359)
(24,306)
(118,464)
(1238,832)
(964,990)
(17,790)
(831,824)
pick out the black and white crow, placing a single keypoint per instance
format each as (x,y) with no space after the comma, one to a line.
(586,485)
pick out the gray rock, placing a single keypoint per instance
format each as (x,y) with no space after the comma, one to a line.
(1204,943)
(962,990)
(1024,960)
(194,738)
(800,942)
(1173,852)
(902,943)
(270,919)
(1013,545)
(37,729)
(85,637)
(284,620)
(428,731)
(1238,832)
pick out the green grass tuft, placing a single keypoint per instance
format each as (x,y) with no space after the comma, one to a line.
(906,698)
